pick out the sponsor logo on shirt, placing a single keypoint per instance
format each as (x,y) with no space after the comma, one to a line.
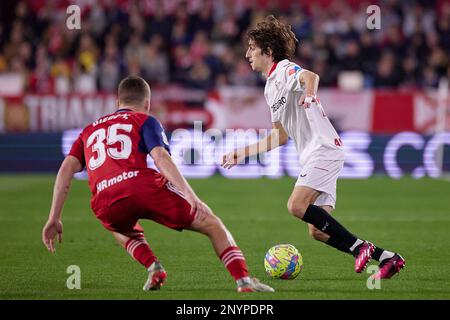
(277,105)
(102,185)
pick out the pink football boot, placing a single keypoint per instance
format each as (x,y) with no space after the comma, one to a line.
(364,253)
(389,267)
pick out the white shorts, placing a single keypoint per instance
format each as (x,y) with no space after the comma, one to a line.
(321,175)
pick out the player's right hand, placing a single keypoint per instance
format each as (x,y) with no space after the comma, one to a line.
(49,232)
(233,158)
(199,209)
(306,100)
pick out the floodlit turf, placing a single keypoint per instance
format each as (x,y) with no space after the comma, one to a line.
(409,216)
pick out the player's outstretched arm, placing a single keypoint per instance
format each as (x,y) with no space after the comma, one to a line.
(310,81)
(53,226)
(169,169)
(276,138)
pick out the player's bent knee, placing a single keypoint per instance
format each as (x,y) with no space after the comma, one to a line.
(214,222)
(210,225)
(297,209)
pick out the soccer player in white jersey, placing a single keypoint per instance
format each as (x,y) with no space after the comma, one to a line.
(296,112)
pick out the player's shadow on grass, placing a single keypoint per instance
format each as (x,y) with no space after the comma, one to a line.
(334,279)
(200,289)
(321,290)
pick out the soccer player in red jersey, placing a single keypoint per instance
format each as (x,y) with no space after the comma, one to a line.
(114,150)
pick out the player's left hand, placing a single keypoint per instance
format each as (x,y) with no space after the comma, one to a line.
(306,100)
(51,229)
(203,211)
(233,158)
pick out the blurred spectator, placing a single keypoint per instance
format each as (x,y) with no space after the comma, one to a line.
(2,35)
(87,53)
(443,28)
(352,59)
(393,41)
(83,81)
(135,49)
(25,54)
(243,75)
(179,34)
(202,20)
(155,63)
(226,30)
(60,71)
(369,53)
(40,80)
(429,78)
(159,23)
(327,73)
(410,74)
(97,18)
(134,68)
(438,61)
(182,63)
(418,45)
(110,69)
(11,48)
(306,54)
(418,18)
(136,20)
(199,46)
(200,76)
(301,24)
(386,75)
(3,63)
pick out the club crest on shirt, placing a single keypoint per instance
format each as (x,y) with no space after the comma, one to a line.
(277,84)
(294,70)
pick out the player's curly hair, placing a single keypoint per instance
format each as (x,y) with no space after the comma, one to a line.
(273,34)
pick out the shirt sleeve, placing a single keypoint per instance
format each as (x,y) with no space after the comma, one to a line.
(153,135)
(276,116)
(77,150)
(292,73)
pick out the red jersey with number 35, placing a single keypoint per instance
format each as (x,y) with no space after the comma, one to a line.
(114,151)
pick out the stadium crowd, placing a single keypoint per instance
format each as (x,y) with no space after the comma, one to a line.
(201,44)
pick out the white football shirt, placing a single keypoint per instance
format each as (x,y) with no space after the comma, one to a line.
(314,136)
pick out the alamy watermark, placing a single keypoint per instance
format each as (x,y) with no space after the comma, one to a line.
(374,20)
(74,280)
(73,21)
(200,147)
(371,282)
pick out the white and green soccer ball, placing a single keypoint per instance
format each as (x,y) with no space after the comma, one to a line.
(283,261)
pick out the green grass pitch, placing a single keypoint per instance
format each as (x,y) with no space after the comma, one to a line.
(408,216)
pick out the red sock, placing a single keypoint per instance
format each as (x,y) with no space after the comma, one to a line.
(138,248)
(234,261)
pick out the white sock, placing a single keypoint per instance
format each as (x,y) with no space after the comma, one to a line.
(243,281)
(152,266)
(386,255)
(357,243)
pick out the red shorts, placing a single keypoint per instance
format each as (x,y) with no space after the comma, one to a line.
(164,205)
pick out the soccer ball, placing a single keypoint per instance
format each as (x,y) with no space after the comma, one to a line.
(283,261)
